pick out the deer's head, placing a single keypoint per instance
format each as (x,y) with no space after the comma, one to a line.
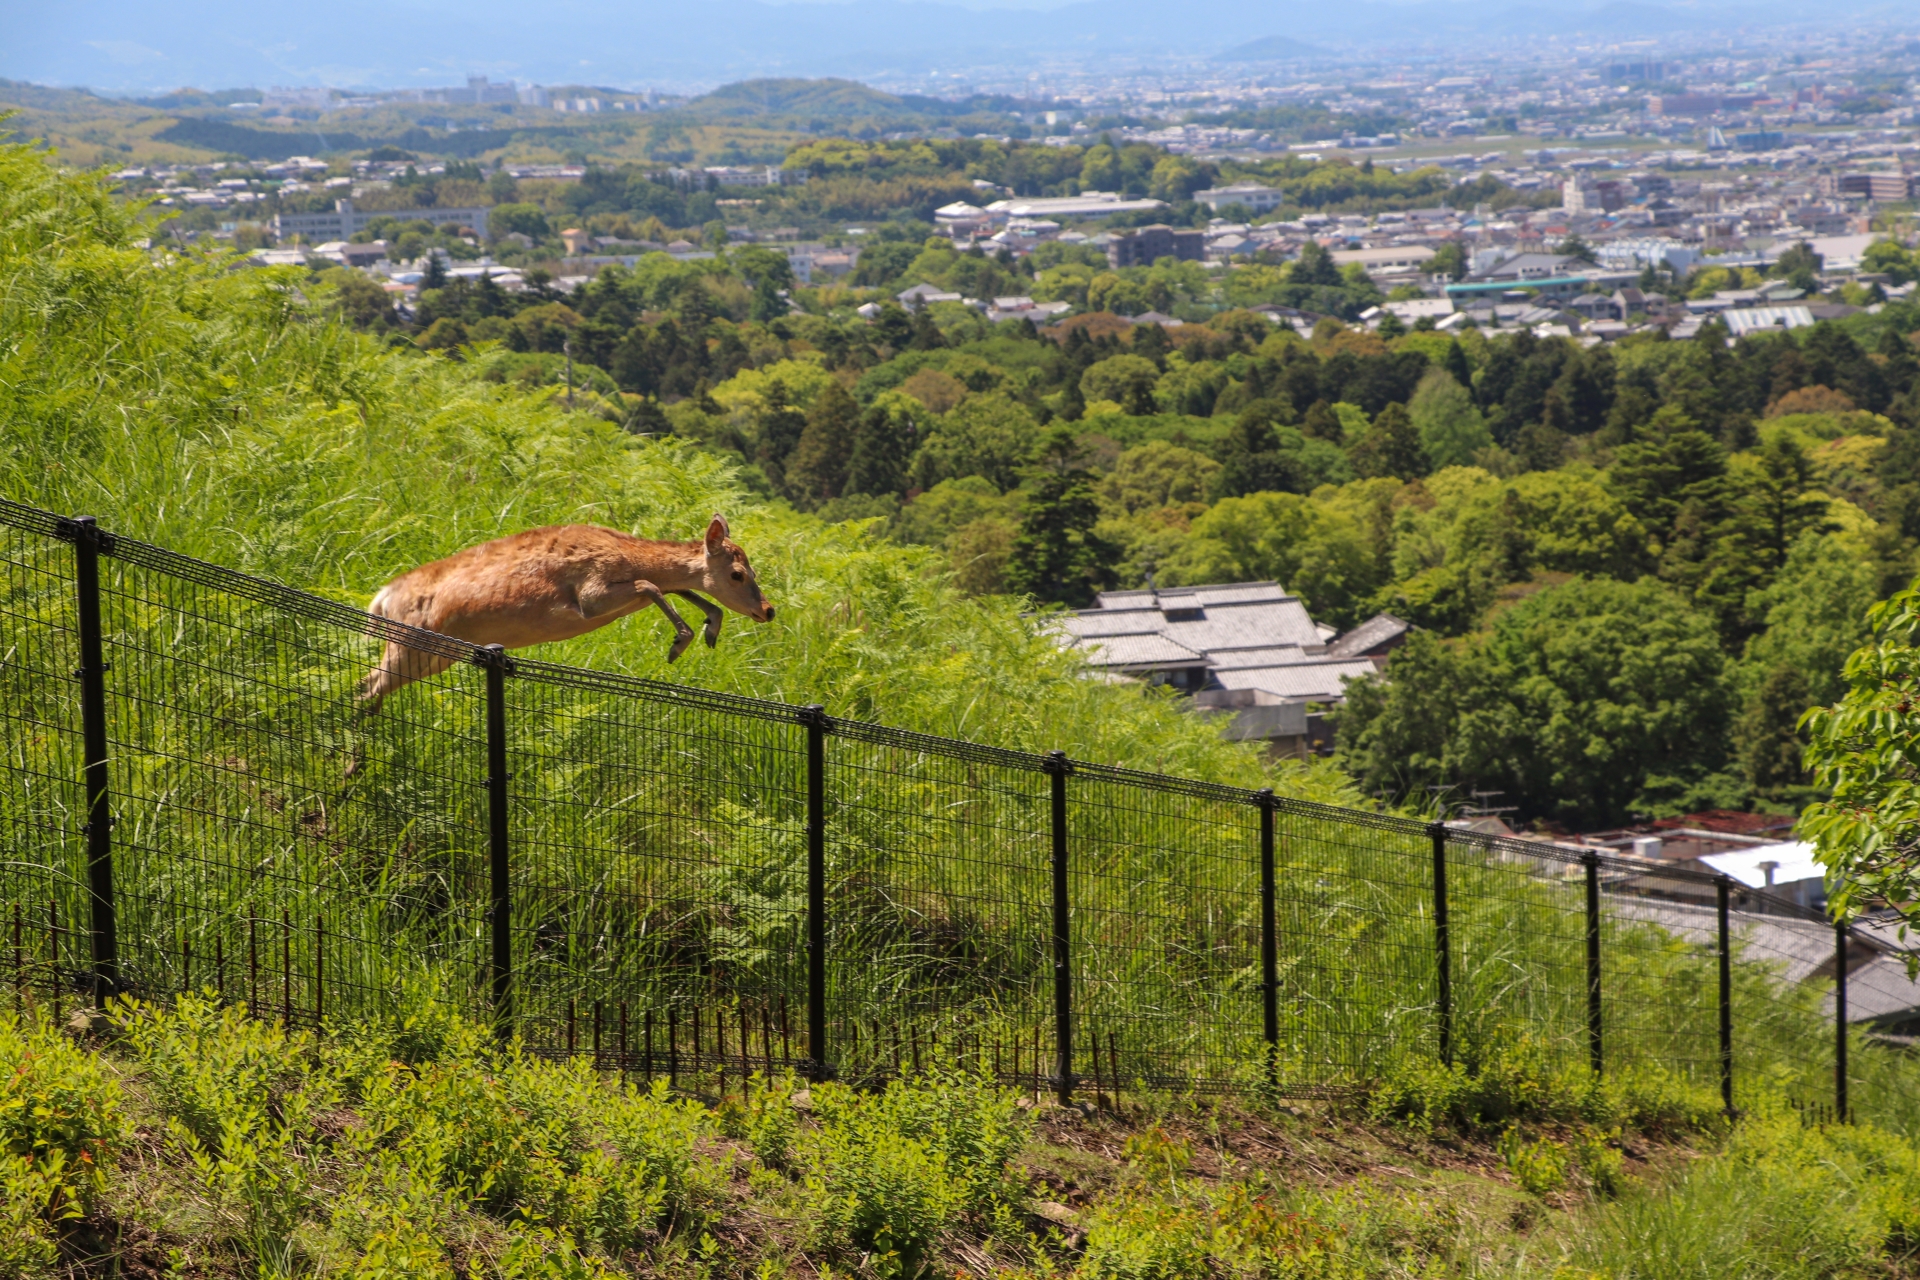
(729,577)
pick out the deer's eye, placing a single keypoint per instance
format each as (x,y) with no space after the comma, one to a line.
(739,576)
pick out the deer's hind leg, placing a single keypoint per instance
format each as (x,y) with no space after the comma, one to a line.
(398,667)
(715,616)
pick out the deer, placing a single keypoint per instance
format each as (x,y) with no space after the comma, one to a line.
(555,583)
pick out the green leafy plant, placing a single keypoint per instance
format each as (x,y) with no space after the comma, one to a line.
(1539,1167)
(889,1174)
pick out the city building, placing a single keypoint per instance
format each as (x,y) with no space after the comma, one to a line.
(1148,245)
(1249,195)
(344,221)
(1088,204)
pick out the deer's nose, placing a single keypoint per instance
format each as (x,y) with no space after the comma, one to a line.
(769,614)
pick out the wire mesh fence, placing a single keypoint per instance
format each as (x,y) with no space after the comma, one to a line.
(691,885)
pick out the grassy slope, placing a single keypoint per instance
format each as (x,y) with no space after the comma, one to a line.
(225,415)
(201,1144)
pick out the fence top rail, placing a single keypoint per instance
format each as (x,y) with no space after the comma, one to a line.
(305,604)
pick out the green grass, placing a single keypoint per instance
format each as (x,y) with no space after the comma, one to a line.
(301,856)
(197,1141)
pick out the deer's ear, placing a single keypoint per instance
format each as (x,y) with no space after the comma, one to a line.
(716,532)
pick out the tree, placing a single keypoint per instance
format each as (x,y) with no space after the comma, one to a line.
(1391,447)
(1449,425)
(1799,266)
(817,471)
(780,428)
(1449,260)
(926,334)
(1057,557)
(1861,752)
(435,276)
(990,435)
(1315,266)
(1126,380)
(1656,477)
(1784,502)
(527,219)
(1320,422)
(767,304)
(1766,738)
(1587,703)
(361,300)
(1315,551)
(893,326)
(1576,248)
(882,448)
(1157,474)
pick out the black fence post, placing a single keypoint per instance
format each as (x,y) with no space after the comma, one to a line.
(1594,1055)
(1269,944)
(1726,1001)
(816,717)
(1840,1021)
(89,540)
(1442,942)
(1057,768)
(493,660)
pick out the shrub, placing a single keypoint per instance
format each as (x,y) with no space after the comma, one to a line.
(891,1173)
(59,1109)
(1515,1080)
(241,1098)
(1538,1167)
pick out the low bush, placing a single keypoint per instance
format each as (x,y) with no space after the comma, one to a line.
(60,1126)
(890,1173)
(1518,1081)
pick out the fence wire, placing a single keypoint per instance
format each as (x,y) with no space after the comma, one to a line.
(279,840)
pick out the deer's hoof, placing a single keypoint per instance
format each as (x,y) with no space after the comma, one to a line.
(712,636)
(680,643)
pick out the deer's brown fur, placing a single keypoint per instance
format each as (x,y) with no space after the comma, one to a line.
(556,583)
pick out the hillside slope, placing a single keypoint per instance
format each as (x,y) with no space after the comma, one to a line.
(228,414)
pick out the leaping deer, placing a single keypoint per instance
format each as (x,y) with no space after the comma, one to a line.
(554,584)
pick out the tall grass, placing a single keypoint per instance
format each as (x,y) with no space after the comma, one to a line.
(275,843)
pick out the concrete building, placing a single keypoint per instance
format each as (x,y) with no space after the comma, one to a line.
(1399,258)
(1148,245)
(1878,186)
(345,221)
(1086,205)
(1250,195)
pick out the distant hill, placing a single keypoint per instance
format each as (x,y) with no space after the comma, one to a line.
(1272,49)
(828,97)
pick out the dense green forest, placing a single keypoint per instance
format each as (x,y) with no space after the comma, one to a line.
(1632,566)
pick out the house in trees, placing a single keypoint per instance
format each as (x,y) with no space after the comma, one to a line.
(1247,651)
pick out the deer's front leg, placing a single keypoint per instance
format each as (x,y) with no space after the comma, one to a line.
(610,600)
(682,633)
(715,615)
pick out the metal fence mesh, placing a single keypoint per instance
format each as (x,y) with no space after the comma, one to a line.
(938,917)
(1165,890)
(280,841)
(42,802)
(1357,975)
(659,873)
(271,840)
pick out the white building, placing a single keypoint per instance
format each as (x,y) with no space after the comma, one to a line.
(1088,204)
(1247,649)
(1252,195)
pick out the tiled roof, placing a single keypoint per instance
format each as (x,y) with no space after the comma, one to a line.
(1141,649)
(1248,635)
(1372,633)
(1319,681)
